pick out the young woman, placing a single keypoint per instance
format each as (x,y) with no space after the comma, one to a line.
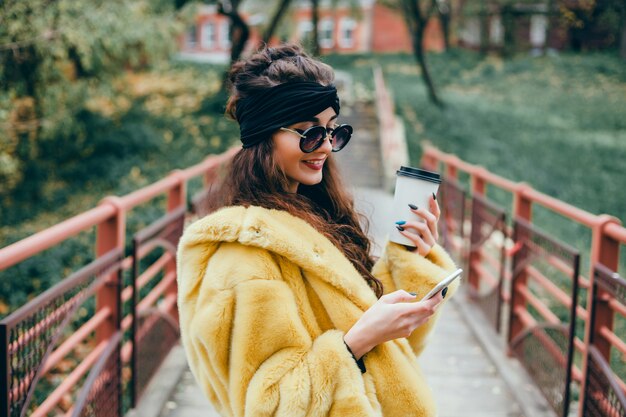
(282,310)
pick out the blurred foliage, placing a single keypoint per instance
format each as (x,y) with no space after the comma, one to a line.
(153,122)
(594,23)
(56,56)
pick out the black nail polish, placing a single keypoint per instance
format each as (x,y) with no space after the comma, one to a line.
(413,294)
(434,196)
(413,206)
(444,292)
(400,228)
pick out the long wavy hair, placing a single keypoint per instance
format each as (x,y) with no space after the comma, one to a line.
(254,178)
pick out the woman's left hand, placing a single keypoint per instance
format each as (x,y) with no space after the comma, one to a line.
(427,234)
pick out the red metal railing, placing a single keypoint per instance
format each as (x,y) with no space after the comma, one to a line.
(607,237)
(30,325)
(486,269)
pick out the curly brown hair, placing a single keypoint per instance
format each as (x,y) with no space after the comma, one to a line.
(254,178)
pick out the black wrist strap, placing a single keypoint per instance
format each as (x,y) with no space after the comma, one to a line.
(359,362)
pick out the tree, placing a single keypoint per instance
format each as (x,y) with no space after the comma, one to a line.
(594,24)
(623,32)
(283,5)
(54,53)
(443,8)
(239,30)
(315,17)
(416,21)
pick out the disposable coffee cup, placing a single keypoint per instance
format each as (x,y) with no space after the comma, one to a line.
(413,186)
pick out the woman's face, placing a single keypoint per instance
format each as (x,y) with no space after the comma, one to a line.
(300,167)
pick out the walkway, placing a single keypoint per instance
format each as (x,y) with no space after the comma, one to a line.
(463,376)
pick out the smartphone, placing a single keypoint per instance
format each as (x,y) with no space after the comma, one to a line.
(443,284)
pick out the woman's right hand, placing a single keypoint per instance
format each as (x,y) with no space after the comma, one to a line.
(394,315)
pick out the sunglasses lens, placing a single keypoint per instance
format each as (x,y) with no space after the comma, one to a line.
(313,139)
(341,136)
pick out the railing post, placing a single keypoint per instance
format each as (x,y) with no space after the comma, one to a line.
(176,197)
(451,168)
(429,160)
(522,209)
(479,187)
(604,250)
(110,235)
(522,205)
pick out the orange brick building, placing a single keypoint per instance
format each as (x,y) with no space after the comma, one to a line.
(372,27)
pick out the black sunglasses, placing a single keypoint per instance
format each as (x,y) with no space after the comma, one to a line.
(313,137)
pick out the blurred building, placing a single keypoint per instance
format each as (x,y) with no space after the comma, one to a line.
(208,39)
(514,25)
(345,27)
(522,25)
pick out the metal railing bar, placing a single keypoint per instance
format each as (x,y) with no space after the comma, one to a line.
(70,381)
(556,292)
(39,242)
(613,339)
(617,307)
(157,291)
(74,280)
(148,275)
(160,224)
(537,330)
(86,293)
(545,312)
(71,342)
(95,372)
(484,273)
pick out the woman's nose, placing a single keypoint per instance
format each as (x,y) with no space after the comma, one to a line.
(327,145)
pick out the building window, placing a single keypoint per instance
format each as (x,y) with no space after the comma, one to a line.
(191,36)
(305,31)
(225,35)
(347,27)
(209,36)
(496,31)
(470,31)
(538,25)
(326,33)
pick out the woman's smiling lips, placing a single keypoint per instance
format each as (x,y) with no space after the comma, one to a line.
(315,164)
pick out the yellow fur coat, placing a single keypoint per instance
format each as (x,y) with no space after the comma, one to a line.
(264,301)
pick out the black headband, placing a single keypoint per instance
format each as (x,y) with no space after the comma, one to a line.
(262,113)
